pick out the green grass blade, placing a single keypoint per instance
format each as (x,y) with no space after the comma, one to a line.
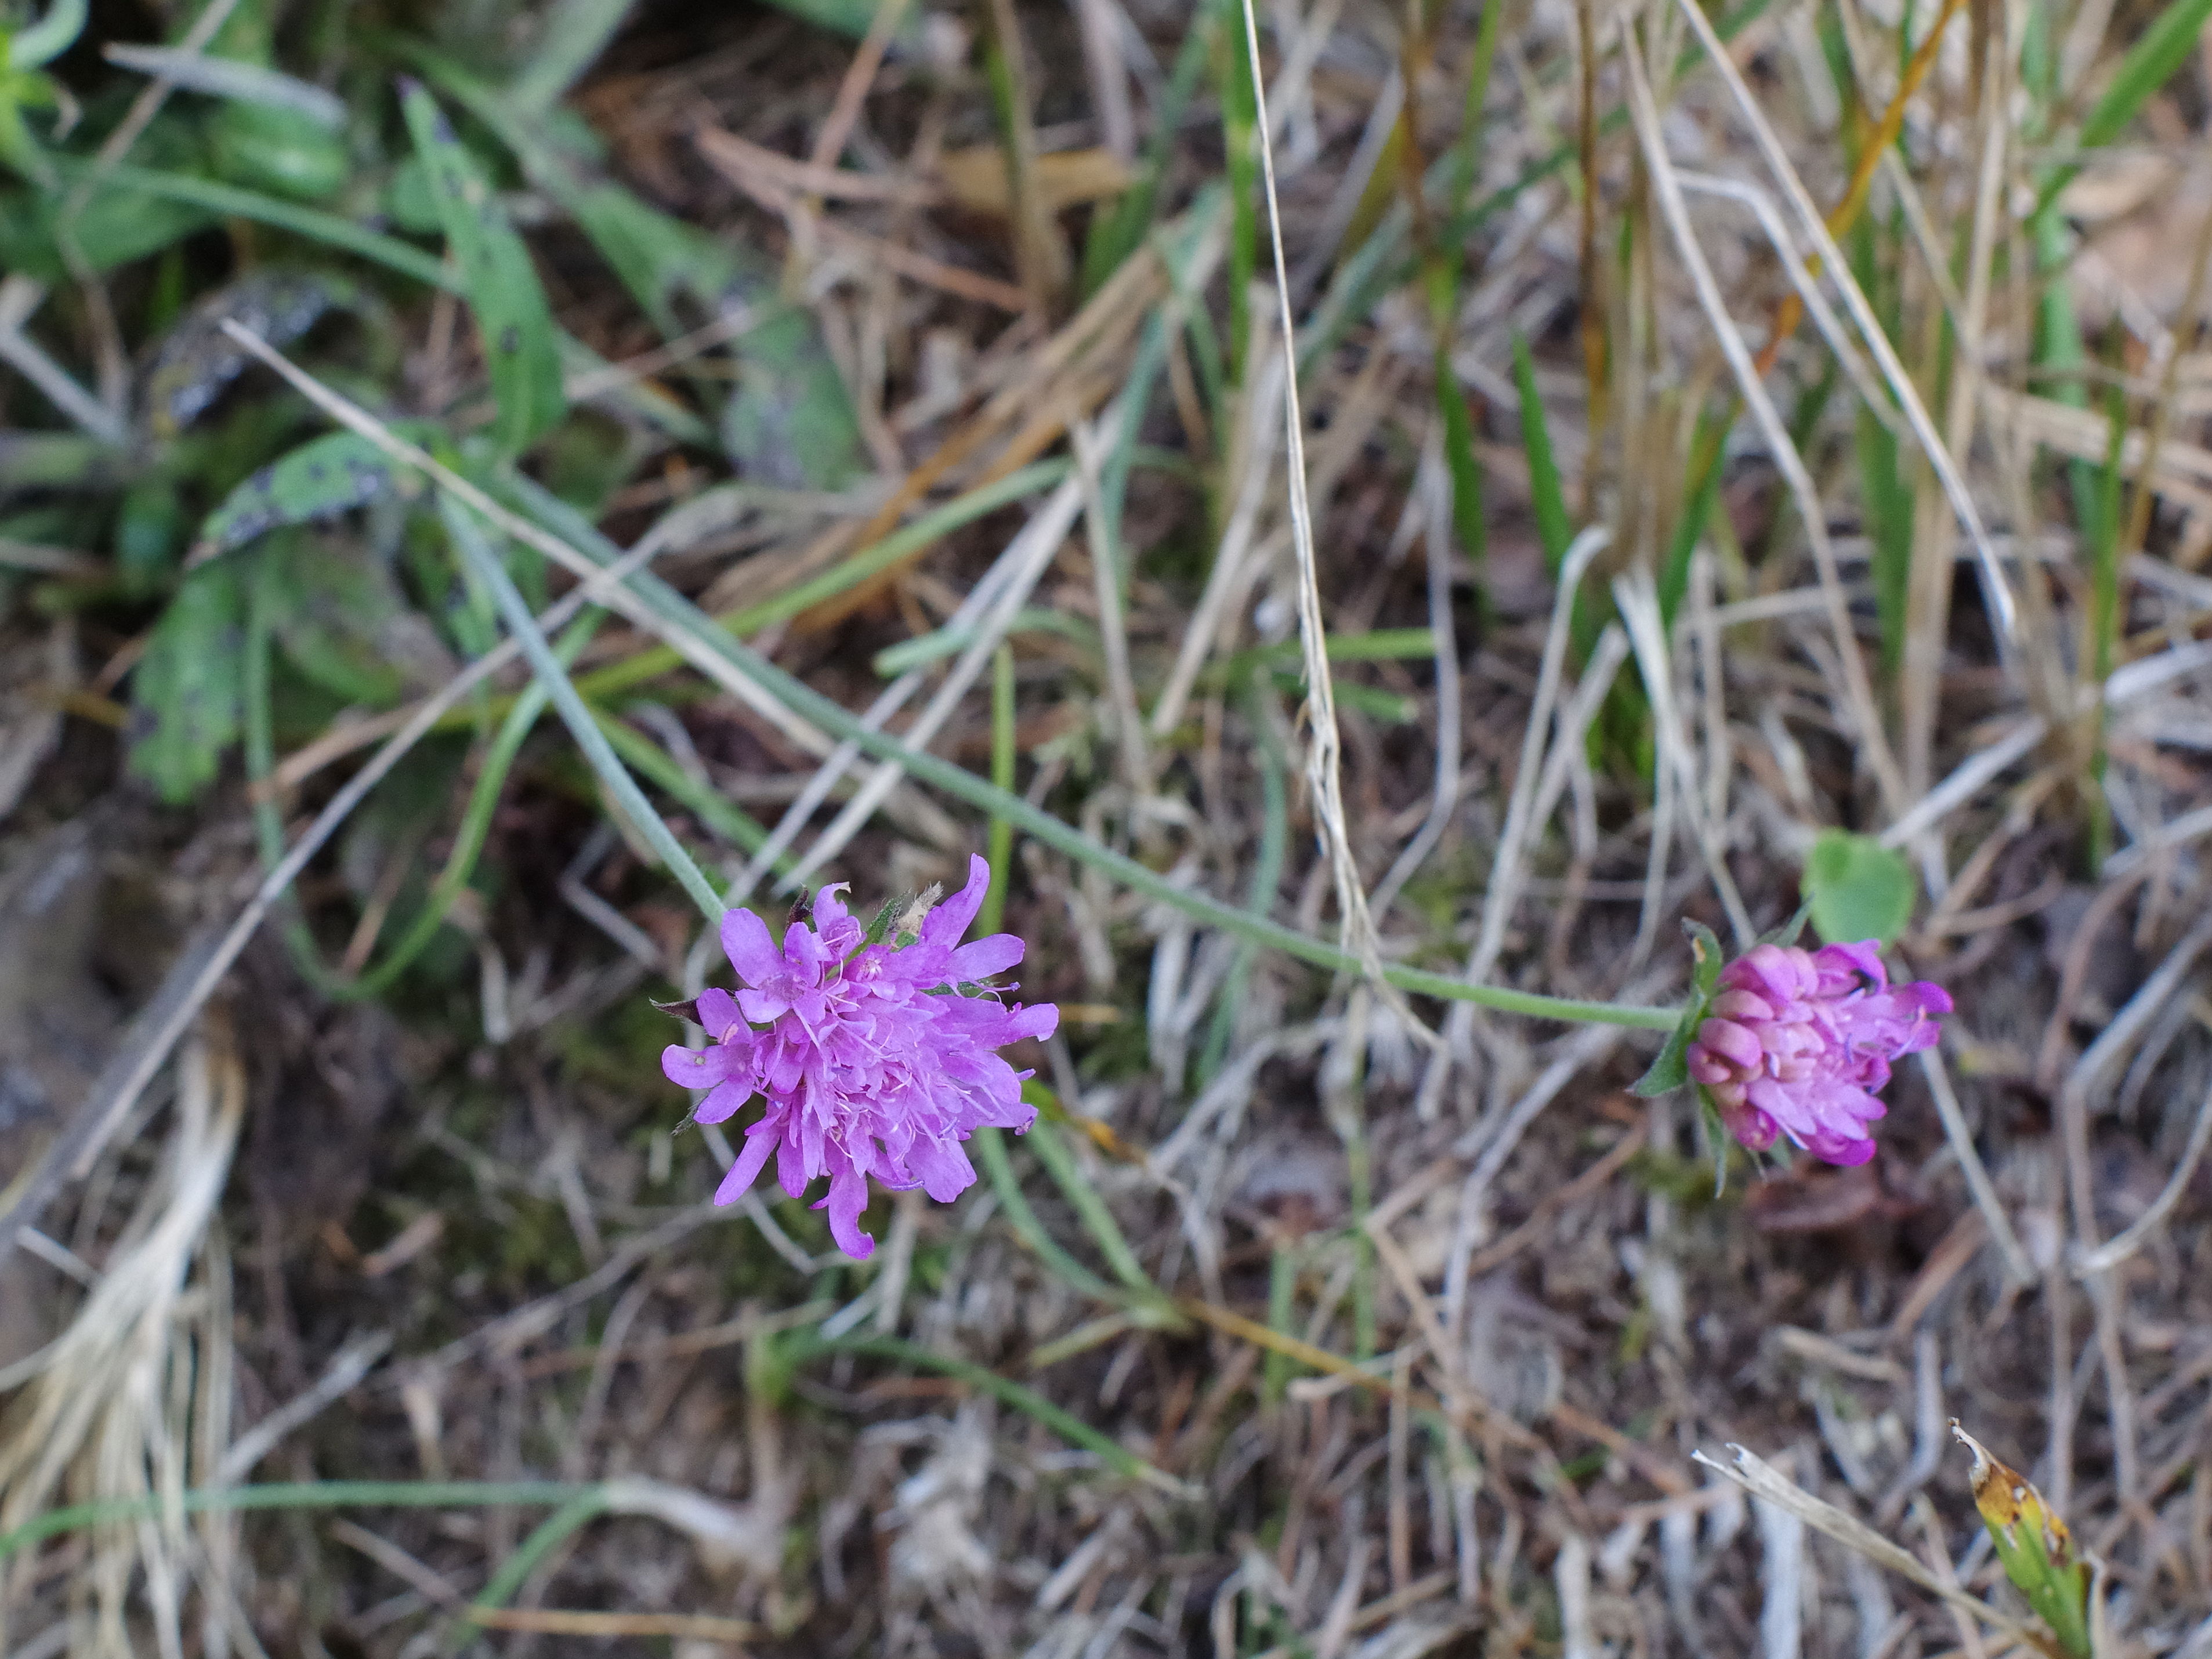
(731,822)
(1468,527)
(990,1149)
(1267,877)
(548,1535)
(2157,52)
(50,37)
(1548,496)
(232,202)
(1090,1208)
(1282,1307)
(848,574)
(621,787)
(1240,138)
(1114,236)
(1072,1429)
(1002,777)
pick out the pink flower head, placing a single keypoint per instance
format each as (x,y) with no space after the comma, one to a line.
(1797,1042)
(876,1059)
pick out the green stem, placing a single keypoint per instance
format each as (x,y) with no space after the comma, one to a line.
(1282,1306)
(833,717)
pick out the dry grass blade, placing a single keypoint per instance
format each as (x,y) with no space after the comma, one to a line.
(1324,763)
(1027,559)
(1874,745)
(1762,1481)
(1997,586)
(110,1408)
(563,1621)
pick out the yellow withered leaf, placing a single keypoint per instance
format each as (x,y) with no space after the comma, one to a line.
(2008,1499)
(2033,1545)
(975,178)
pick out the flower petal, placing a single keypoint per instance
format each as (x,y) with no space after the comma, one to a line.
(985,958)
(750,951)
(718,1012)
(847,1198)
(724,1101)
(694,1068)
(942,927)
(760,1141)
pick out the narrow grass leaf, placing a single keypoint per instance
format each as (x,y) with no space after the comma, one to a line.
(1090,1208)
(1116,233)
(990,1148)
(1548,496)
(619,784)
(708,638)
(1001,846)
(1115,1456)
(659,768)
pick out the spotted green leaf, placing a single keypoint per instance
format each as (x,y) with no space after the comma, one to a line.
(184,693)
(790,421)
(520,344)
(344,622)
(320,479)
(197,360)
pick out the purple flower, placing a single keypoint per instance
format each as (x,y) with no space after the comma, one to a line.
(1797,1042)
(876,1059)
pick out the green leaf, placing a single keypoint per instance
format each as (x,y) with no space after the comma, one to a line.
(1671,1069)
(1788,932)
(1888,509)
(279,149)
(1706,955)
(520,343)
(1858,889)
(117,227)
(849,18)
(574,33)
(1468,524)
(1718,1139)
(790,421)
(320,479)
(343,621)
(185,691)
